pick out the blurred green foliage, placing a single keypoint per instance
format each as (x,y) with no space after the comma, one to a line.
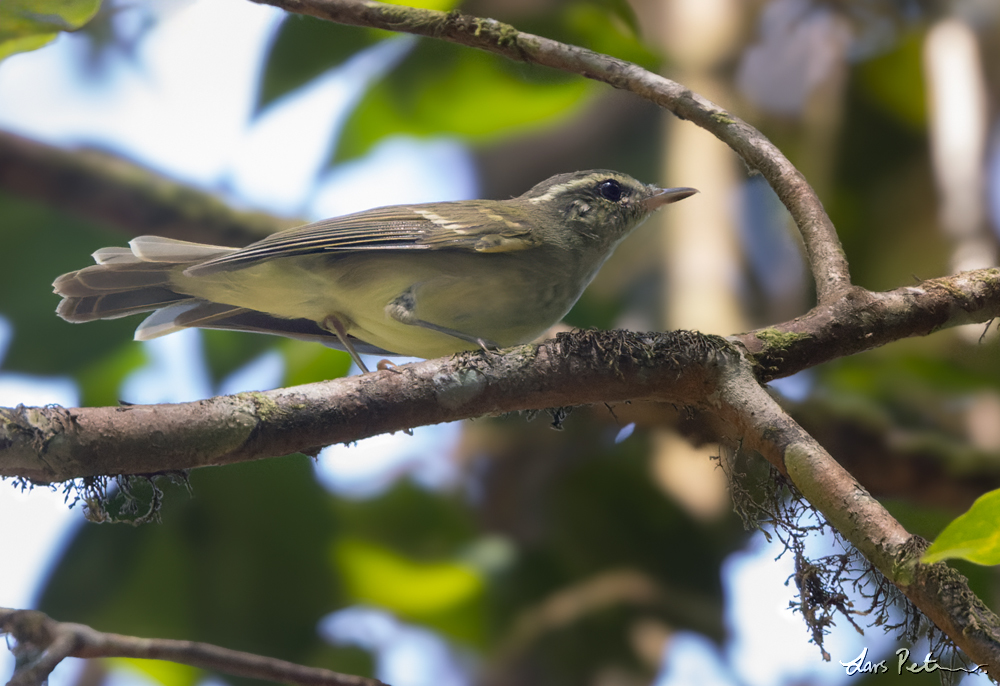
(39,245)
(29,24)
(440,88)
(240,560)
(894,80)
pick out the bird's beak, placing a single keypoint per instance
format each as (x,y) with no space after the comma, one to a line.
(667,196)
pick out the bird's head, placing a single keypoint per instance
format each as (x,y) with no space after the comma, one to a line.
(598,206)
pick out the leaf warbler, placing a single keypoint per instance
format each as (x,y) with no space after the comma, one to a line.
(418,280)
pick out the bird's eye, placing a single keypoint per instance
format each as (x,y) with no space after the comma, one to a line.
(611,190)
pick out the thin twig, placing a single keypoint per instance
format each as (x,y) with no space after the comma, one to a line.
(42,643)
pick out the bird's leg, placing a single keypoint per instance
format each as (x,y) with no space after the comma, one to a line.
(335,326)
(402,310)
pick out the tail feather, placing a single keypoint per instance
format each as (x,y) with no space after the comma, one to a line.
(115,256)
(184,315)
(112,278)
(138,279)
(129,281)
(160,249)
(114,305)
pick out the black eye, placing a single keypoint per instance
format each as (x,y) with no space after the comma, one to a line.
(611,190)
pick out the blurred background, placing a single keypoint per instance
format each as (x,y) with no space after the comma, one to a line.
(594,548)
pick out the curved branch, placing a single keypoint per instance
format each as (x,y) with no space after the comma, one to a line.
(826,256)
(108,189)
(938,591)
(45,643)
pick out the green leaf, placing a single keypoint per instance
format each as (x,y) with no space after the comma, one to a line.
(228,351)
(412,521)
(242,553)
(100,381)
(382,576)
(894,82)
(444,89)
(310,362)
(623,12)
(610,28)
(974,536)
(25,44)
(446,595)
(39,244)
(162,672)
(305,47)
(29,24)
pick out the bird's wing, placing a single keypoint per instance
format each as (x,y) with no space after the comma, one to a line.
(482,227)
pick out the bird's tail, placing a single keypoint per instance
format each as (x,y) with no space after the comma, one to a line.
(143,278)
(130,280)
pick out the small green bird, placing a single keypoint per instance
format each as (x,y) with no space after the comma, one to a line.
(417,280)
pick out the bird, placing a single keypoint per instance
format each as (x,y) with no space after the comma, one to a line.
(420,280)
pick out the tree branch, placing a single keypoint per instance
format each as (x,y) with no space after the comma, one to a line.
(826,256)
(113,191)
(938,591)
(52,444)
(863,320)
(42,643)
(46,444)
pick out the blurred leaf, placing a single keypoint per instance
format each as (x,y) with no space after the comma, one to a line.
(302,49)
(444,89)
(375,574)
(413,540)
(445,595)
(29,24)
(310,362)
(916,395)
(610,27)
(894,81)
(241,562)
(13,46)
(160,671)
(585,508)
(973,536)
(918,519)
(100,381)
(412,521)
(305,47)
(888,374)
(39,245)
(623,11)
(228,351)
(608,509)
